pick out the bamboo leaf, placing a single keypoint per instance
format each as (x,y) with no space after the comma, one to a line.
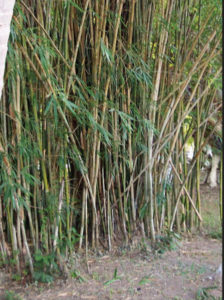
(144,280)
(75,5)
(106,52)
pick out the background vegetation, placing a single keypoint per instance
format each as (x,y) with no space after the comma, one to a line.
(93,122)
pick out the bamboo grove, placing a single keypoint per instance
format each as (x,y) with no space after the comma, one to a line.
(97,95)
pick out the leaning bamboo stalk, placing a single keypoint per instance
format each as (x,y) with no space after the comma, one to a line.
(186,191)
(217,127)
(184,85)
(46,33)
(187,111)
(171,135)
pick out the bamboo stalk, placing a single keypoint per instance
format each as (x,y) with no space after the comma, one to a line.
(60,202)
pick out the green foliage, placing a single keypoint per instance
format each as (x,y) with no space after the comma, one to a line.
(73,3)
(144,280)
(65,242)
(43,277)
(106,52)
(162,196)
(11,295)
(115,278)
(45,267)
(203,293)
(16,277)
(165,243)
(76,275)
(215,235)
(143,210)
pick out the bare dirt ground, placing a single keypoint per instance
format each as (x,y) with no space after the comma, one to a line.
(186,272)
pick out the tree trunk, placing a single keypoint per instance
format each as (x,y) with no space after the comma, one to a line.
(6,10)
